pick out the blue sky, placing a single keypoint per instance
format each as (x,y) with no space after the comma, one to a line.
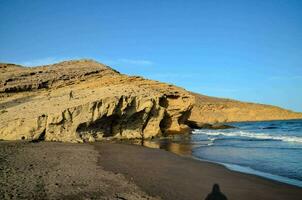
(245,50)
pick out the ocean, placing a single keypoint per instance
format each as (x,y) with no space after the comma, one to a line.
(271,149)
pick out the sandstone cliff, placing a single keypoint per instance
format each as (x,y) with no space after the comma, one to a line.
(218,110)
(83,100)
(86,101)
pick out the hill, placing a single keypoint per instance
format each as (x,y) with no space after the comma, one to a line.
(83,100)
(218,110)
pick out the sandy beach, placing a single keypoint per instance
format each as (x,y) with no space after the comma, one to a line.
(49,170)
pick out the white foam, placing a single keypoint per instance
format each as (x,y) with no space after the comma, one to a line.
(263,136)
(248,170)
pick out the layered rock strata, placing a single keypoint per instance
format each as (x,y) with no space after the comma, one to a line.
(87,101)
(83,100)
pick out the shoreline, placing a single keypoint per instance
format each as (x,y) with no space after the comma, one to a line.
(228,166)
(190,176)
(253,172)
(107,170)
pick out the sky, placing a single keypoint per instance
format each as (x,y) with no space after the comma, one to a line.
(239,49)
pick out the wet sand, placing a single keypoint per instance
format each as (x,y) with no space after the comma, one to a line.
(170,176)
(50,170)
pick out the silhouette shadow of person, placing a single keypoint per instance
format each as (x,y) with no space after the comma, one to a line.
(216,194)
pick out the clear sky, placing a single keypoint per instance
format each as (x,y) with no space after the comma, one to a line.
(247,50)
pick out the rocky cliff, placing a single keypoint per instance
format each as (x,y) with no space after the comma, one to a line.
(218,110)
(84,100)
(78,101)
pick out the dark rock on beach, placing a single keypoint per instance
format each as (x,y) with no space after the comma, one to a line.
(200,125)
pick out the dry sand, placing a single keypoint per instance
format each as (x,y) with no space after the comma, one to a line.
(49,170)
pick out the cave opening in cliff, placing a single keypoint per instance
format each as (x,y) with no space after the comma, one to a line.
(163,102)
(165,123)
(183,119)
(103,126)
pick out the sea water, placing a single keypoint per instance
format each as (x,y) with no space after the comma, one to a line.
(272,149)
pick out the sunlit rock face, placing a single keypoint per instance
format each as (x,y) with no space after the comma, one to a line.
(85,101)
(79,101)
(218,110)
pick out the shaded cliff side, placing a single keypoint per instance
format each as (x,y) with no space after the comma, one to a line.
(216,110)
(84,100)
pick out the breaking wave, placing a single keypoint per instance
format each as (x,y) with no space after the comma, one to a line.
(259,136)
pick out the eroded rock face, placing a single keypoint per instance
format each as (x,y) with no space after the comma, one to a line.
(105,104)
(15,78)
(123,117)
(77,101)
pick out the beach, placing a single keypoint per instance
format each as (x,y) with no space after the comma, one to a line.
(50,170)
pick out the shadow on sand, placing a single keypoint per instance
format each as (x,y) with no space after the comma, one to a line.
(216,194)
